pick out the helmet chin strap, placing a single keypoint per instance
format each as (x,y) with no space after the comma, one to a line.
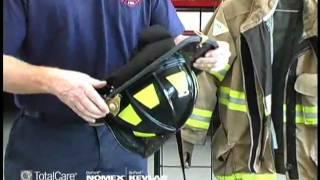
(180,149)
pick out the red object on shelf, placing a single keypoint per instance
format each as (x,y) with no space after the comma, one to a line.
(189,33)
(196,3)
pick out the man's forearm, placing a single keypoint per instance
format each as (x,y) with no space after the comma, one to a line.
(22,78)
(75,89)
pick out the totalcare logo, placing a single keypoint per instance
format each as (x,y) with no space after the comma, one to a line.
(26,175)
(38,175)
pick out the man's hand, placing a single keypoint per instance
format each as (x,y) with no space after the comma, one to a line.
(214,60)
(77,90)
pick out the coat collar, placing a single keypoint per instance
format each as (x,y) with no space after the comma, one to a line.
(261,10)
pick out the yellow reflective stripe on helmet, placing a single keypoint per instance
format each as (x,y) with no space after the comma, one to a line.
(130,116)
(180,82)
(307,115)
(222,73)
(234,100)
(200,118)
(248,176)
(148,96)
(142,134)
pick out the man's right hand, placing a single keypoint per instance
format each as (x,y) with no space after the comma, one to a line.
(77,90)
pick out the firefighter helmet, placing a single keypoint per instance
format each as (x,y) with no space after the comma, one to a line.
(152,97)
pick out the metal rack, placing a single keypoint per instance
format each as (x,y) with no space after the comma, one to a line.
(200,6)
(159,164)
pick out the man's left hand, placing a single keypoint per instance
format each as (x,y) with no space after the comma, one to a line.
(214,60)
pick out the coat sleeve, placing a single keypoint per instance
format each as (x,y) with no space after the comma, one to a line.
(196,128)
(218,28)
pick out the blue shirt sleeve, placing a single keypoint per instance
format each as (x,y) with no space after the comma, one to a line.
(163,13)
(14,26)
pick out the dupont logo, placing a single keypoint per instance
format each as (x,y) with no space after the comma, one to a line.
(105,177)
(130,175)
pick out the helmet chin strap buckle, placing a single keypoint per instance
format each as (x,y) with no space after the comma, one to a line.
(114,108)
(114,104)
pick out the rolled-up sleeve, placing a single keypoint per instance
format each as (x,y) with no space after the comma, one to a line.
(163,13)
(14,26)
